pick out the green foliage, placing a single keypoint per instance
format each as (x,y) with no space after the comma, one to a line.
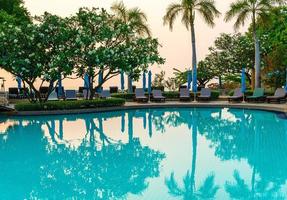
(275,32)
(158,81)
(39,51)
(13,11)
(92,42)
(68,105)
(108,45)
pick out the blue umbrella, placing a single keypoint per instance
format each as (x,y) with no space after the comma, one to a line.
(86,81)
(189,79)
(149,82)
(194,80)
(122,81)
(243,82)
(144,81)
(19,82)
(60,91)
(286,81)
(130,84)
(100,80)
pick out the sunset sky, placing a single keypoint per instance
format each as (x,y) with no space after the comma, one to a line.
(176,45)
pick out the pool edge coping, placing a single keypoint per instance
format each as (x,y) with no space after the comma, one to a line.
(129,106)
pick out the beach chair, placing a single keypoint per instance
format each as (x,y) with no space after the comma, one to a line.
(205,95)
(237,95)
(140,95)
(53,96)
(86,93)
(258,95)
(58,92)
(105,94)
(157,95)
(71,95)
(184,94)
(44,91)
(114,89)
(279,95)
(13,93)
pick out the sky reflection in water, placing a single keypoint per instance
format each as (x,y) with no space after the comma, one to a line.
(145,154)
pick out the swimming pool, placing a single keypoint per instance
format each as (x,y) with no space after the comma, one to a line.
(150,154)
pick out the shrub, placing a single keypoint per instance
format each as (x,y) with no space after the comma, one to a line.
(171,94)
(68,105)
(214,94)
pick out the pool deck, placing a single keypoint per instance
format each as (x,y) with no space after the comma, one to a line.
(168,104)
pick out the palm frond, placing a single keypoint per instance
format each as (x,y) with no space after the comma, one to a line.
(208,189)
(120,10)
(173,187)
(236,8)
(208,11)
(241,18)
(172,12)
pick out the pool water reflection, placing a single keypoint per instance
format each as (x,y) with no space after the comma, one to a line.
(150,154)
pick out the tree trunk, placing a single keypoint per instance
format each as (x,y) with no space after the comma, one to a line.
(193,46)
(257,55)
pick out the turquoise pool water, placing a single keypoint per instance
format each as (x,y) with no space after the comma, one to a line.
(156,154)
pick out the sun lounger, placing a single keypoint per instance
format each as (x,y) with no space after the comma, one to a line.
(279,95)
(105,94)
(86,94)
(44,91)
(71,95)
(114,89)
(237,95)
(157,95)
(184,94)
(140,95)
(53,96)
(258,95)
(205,95)
(13,93)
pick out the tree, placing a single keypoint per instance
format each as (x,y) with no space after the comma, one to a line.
(134,17)
(256,9)
(104,50)
(188,9)
(15,9)
(274,72)
(38,52)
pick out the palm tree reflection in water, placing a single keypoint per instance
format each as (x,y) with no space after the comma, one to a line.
(208,189)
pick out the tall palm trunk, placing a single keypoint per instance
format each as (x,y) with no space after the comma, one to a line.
(257,54)
(193,46)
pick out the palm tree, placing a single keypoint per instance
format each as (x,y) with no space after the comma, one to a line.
(188,9)
(134,17)
(256,9)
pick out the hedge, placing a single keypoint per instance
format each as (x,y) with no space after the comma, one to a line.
(167,94)
(68,105)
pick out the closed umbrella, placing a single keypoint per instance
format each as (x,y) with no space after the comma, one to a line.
(19,82)
(243,82)
(194,80)
(122,81)
(144,81)
(60,91)
(86,81)
(149,83)
(189,79)
(100,80)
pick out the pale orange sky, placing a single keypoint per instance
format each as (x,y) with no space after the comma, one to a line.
(176,45)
